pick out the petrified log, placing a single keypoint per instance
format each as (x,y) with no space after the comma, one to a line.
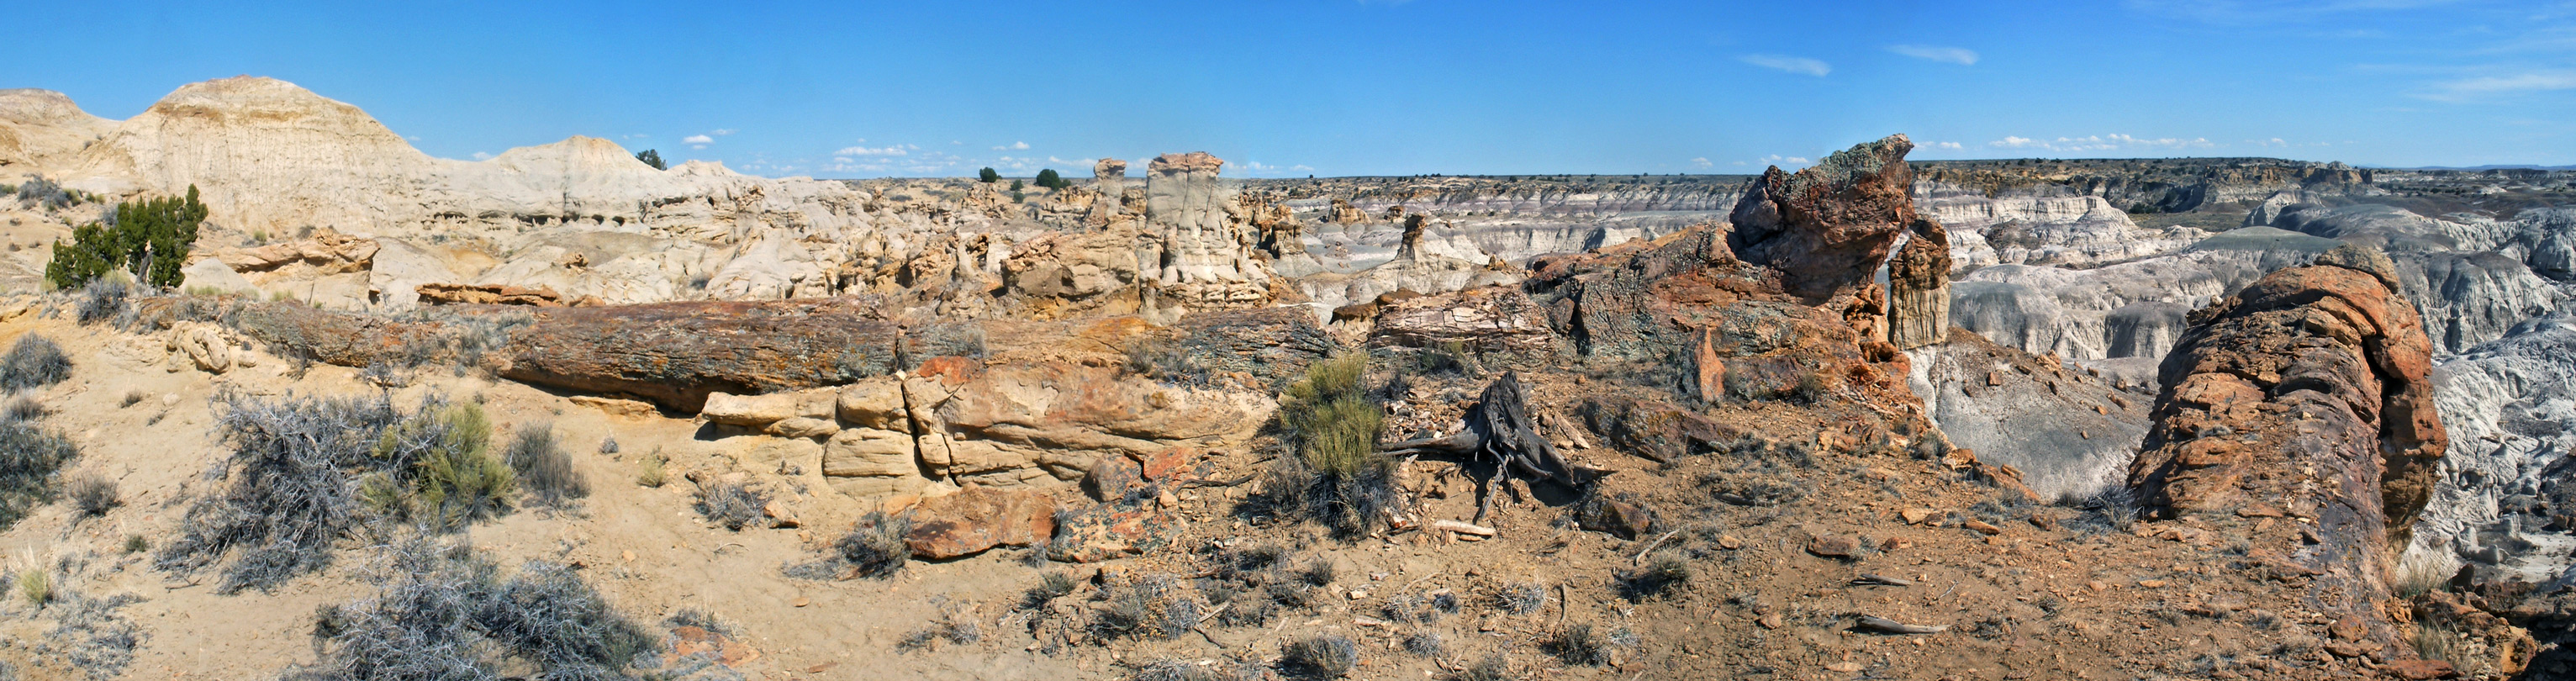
(1499,429)
(2306,395)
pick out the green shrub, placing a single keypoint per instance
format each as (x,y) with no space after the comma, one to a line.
(148,238)
(988,175)
(1048,178)
(1337,476)
(455,479)
(653,158)
(36,585)
(34,362)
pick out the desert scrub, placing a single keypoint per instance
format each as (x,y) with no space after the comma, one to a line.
(1522,598)
(654,470)
(33,362)
(1319,657)
(90,635)
(305,473)
(1153,606)
(30,458)
(104,298)
(1586,645)
(93,496)
(544,469)
(441,612)
(874,547)
(1336,476)
(1662,573)
(733,506)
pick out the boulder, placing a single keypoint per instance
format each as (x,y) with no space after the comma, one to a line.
(979,518)
(874,403)
(869,453)
(761,410)
(211,275)
(803,426)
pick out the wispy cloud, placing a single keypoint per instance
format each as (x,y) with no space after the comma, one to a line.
(479,155)
(1701,162)
(1014,146)
(1790,160)
(1798,65)
(2111,142)
(720,132)
(2483,87)
(866,151)
(1953,55)
(698,141)
(2240,12)
(1944,146)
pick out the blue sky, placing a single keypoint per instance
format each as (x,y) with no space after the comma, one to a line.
(1343,87)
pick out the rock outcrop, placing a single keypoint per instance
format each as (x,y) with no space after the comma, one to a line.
(2307,395)
(1828,227)
(43,128)
(2069,432)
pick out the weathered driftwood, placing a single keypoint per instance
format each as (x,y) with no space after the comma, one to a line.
(1499,429)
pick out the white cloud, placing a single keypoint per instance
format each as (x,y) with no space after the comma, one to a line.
(1800,65)
(720,132)
(1777,159)
(2483,86)
(480,155)
(2114,141)
(414,138)
(1953,55)
(1948,146)
(1303,167)
(2240,12)
(1701,162)
(697,139)
(865,151)
(1014,146)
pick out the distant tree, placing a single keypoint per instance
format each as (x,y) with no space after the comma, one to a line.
(1016,196)
(651,158)
(1048,178)
(1016,186)
(987,175)
(149,238)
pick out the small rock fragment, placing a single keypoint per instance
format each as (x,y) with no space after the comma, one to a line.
(1836,547)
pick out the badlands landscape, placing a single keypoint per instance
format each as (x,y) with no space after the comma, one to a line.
(562,414)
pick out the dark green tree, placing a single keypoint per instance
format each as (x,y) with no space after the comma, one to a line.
(149,238)
(652,158)
(1016,186)
(1049,179)
(988,175)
